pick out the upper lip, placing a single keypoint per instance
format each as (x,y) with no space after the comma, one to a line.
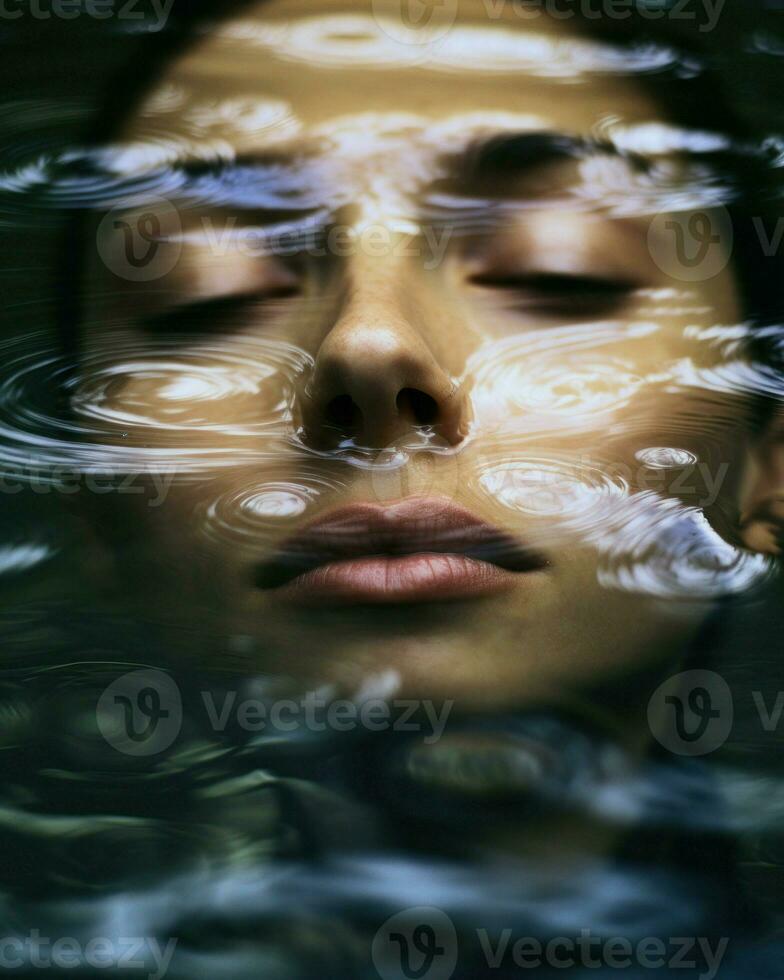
(408,527)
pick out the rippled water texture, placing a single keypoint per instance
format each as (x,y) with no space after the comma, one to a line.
(152,460)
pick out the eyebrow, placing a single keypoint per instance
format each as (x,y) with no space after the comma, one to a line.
(286,179)
(500,152)
(259,160)
(508,154)
(500,156)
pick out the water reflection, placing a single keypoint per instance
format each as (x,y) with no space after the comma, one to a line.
(356,41)
(207,420)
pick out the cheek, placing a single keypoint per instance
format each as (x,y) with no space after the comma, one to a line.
(551,395)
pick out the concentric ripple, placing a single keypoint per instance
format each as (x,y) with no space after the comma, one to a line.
(137,406)
(567,492)
(665,457)
(253,512)
(235,390)
(524,379)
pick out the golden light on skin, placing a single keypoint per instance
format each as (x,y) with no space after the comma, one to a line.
(548,387)
(352,36)
(540,69)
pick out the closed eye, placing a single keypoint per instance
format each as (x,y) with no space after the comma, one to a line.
(552,293)
(218,314)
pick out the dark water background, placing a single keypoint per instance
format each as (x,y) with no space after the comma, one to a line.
(283,861)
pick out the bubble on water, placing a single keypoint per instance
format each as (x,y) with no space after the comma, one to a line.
(664,457)
(280,503)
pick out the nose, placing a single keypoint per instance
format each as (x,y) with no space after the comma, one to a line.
(375,378)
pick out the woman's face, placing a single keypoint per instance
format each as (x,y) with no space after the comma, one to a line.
(422,295)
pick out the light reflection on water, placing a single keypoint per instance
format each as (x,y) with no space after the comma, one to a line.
(285,842)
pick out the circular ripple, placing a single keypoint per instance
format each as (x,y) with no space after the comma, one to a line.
(574,494)
(664,457)
(253,512)
(144,406)
(519,378)
(168,388)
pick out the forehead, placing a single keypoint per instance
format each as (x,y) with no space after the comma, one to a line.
(286,72)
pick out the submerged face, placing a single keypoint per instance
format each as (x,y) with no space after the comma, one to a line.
(413,291)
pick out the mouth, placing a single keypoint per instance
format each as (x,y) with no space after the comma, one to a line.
(415,550)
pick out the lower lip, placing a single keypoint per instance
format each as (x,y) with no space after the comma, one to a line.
(410,578)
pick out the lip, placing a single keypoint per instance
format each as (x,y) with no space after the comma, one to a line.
(412,551)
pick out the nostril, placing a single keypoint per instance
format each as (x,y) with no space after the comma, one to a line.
(341,411)
(420,407)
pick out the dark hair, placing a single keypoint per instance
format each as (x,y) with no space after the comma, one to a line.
(151,56)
